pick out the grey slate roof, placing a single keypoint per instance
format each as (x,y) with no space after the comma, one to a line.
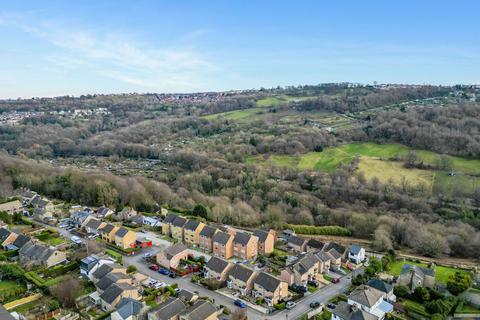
(179,221)
(334,253)
(109,279)
(169,218)
(21,241)
(94,224)
(242,238)
(191,225)
(4,314)
(304,263)
(221,237)
(128,307)
(345,311)
(172,251)
(121,232)
(104,269)
(380,285)
(315,244)
(114,291)
(296,240)
(36,251)
(324,256)
(185,295)
(354,249)
(261,234)
(4,233)
(241,272)
(366,295)
(107,228)
(216,264)
(167,309)
(421,271)
(208,232)
(338,247)
(267,281)
(200,310)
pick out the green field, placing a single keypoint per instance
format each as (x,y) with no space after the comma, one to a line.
(380,160)
(9,285)
(441,272)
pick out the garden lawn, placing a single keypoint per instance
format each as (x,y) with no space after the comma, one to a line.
(9,285)
(441,272)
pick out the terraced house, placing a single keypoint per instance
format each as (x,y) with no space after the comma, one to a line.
(206,238)
(108,232)
(270,288)
(125,238)
(177,229)
(245,246)
(266,241)
(35,254)
(200,310)
(192,231)
(240,279)
(223,245)
(93,225)
(167,222)
(217,268)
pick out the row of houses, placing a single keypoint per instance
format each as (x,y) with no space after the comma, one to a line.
(247,281)
(177,309)
(225,244)
(10,240)
(120,236)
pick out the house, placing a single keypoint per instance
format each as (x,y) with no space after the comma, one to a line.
(414,276)
(137,220)
(344,311)
(356,254)
(152,222)
(43,204)
(104,212)
(270,288)
(206,238)
(191,231)
(7,237)
(126,214)
(168,310)
(27,197)
(167,223)
(266,241)
(338,248)
(11,207)
(78,218)
(111,278)
(314,245)
(171,256)
(36,254)
(87,264)
(305,268)
(217,268)
(325,260)
(297,244)
(240,278)
(125,238)
(176,228)
(384,287)
(200,310)
(111,297)
(245,246)
(19,242)
(336,259)
(223,245)
(93,225)
(128,309)
(107,232)
(187,296)
(370,300)
(102,269)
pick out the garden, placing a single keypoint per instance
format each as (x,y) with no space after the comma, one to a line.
(50,237)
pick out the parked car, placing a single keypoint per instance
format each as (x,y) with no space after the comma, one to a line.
(163,271)
(63,225)
(313,283)
(172,275)
(147,255)
(331,306)
(290,305)
(335,280)
(92,236)
(239,303)
(154,267)
(314,304)
(298,288)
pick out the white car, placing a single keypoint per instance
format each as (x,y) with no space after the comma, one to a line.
(290,305)
(92,236)
(76,239)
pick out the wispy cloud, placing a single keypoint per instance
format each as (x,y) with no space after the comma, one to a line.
(147,66)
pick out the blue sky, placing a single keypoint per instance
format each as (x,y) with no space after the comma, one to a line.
(51,48)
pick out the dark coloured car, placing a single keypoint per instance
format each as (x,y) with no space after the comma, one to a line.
(299,289)
(172,275)
(164,271)
(313,283)
(314,304)
(331,306)
(154,267)
(335,280)
(239,303)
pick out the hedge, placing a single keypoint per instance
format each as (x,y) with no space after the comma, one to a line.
(319,230)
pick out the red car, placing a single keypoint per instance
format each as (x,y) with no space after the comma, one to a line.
(154,267)
(335,280)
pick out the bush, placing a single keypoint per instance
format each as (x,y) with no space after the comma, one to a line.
(458,283)
(401,291)
(131,268)
(280,306)
(323,230)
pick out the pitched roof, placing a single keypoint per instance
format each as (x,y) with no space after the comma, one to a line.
(107,228)
(334,253)
(304,263)
(354,249)
(216,264)
(241,272)
(94,224)
(106,268)
(421,271)
(191,225)
(267,281)
(208,232)
(167,310)
(346,312)
(4,233)
(296,240)
(380,285)
(179,221)
(114,291)
(36,251)
(169,218)
(185,295)
(121,232)
(128,307)
(242,238)
(172,251)
(109,279)
(324,256)
(200,310)
(366,295)
(21,241)
(4,314)
(261,234)
(314,243)
(338,247)
(222,237)
(103,211)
